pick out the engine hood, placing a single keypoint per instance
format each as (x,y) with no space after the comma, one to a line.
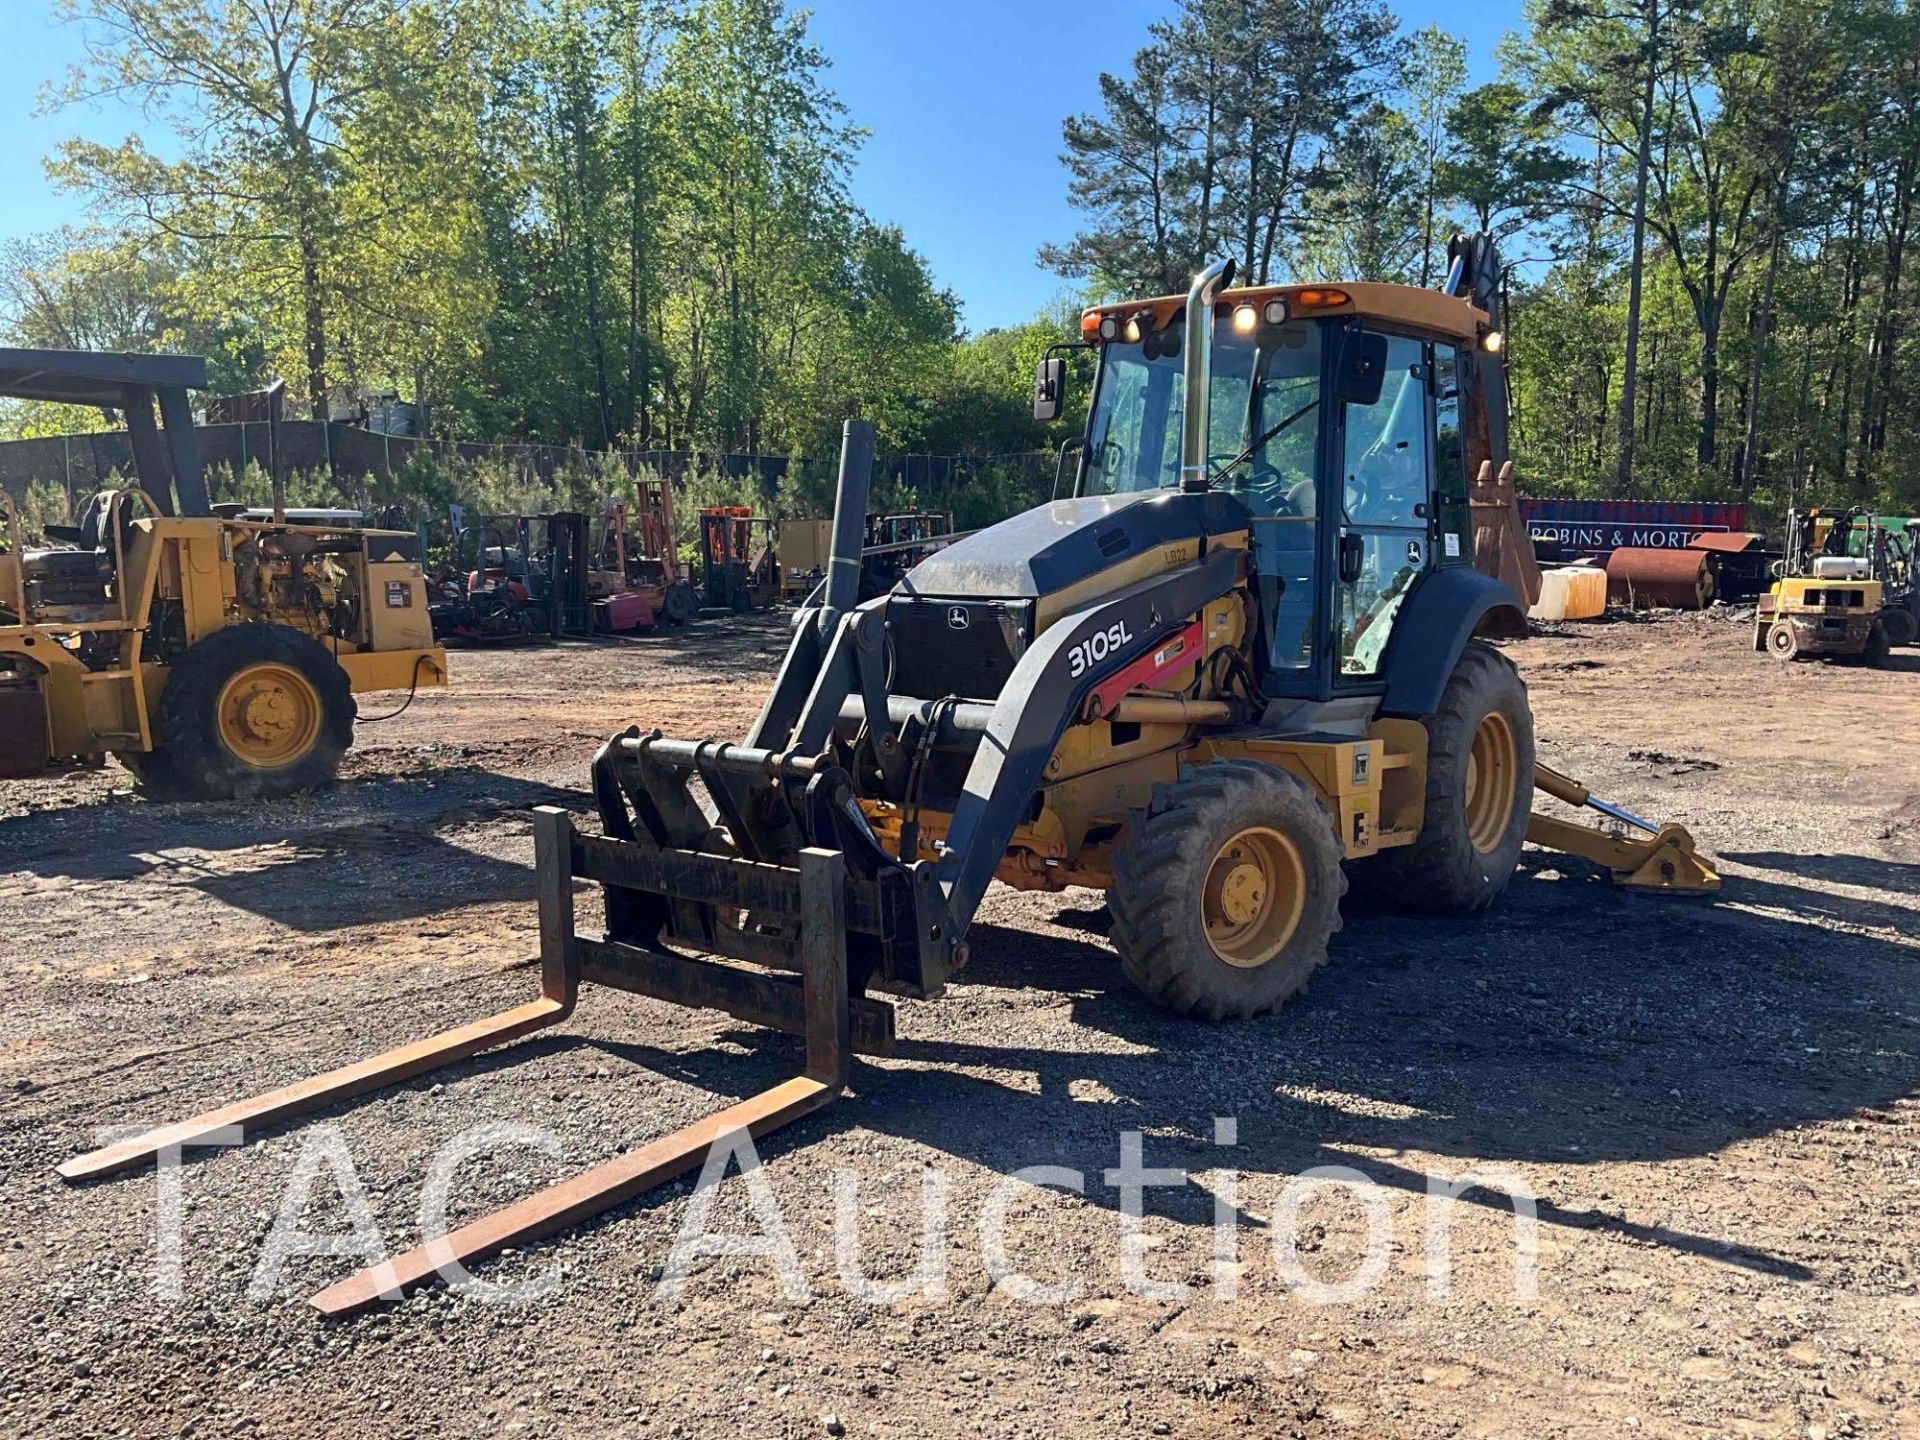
(1052,546)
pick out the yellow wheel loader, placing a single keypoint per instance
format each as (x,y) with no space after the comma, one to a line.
(1246,660)
(213,656)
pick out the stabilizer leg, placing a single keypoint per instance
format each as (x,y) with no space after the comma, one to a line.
(1665,861)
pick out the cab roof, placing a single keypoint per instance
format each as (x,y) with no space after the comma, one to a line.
(1409,305)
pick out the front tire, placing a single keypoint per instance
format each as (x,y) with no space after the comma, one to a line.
(254,712)
(1226,890)
(1479,791)
(678,604)
(1879,650)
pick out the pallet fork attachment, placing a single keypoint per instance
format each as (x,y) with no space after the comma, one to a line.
(1667,861)
(815,1004)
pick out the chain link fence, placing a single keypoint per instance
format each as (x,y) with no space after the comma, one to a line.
(977,489)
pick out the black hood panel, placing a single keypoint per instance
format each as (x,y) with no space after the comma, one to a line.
(1062,542)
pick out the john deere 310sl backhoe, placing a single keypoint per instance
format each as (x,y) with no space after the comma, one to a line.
(1243,661)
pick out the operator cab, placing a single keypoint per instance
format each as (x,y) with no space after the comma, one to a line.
(1334,417)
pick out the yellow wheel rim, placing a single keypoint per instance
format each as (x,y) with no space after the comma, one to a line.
(1255,893)
(1492,781)
(269,716)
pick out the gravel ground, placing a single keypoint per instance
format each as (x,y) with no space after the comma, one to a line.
(1714,1103)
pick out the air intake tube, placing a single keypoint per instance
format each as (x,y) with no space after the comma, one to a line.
(1195,474)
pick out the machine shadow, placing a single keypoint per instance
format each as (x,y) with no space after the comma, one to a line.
(943,1109)
(1862,870)
(1571,1025)
(376,841)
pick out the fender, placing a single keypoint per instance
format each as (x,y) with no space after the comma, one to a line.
(1440,614)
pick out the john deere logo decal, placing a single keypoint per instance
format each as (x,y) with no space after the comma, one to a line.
(959,617)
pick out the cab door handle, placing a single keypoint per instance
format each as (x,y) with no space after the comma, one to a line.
(1353,556)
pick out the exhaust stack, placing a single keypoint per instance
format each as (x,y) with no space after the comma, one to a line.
(849,523)
(1196,417)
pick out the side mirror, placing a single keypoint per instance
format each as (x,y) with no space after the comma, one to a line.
(1050,388)
(1363,368)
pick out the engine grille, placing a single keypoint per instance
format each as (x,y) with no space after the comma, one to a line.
(956,647)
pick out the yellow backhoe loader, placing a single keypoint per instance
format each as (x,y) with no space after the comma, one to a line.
(1247,659)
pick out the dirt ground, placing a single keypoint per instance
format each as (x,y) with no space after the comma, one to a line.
(1714,1102)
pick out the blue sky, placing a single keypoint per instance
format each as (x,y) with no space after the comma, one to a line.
(964,102)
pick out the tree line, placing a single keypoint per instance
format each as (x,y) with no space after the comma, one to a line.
(590,222)
(629,223)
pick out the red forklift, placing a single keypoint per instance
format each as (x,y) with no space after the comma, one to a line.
(649,559)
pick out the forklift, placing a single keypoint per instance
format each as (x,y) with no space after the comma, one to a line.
(648,556)
(1825,600)
(739,563)
(530,577)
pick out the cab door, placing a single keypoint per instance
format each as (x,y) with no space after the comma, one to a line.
(1384,525)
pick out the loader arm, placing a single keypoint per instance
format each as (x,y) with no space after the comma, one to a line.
(1041,698)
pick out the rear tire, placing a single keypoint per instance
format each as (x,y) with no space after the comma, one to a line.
(253,712)
(1226,890)
(1901,625)
(1479,792)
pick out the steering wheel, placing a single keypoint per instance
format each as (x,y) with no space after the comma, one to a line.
(1264,488)
(1277,495)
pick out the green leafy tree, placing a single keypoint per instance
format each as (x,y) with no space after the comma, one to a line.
(1371,220)
(1432,74)
(1215,139)
(1501,165)
(305,138)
